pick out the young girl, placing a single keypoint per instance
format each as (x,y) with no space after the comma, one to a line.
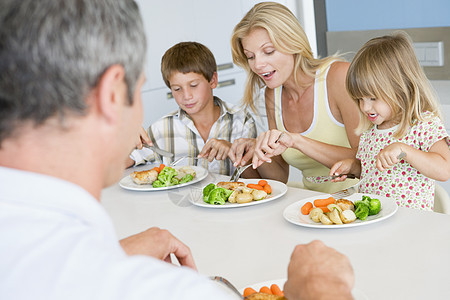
(403,136)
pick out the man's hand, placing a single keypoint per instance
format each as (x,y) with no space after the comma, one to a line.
(158,243)
(318,272)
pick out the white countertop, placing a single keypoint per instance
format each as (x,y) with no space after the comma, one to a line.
(406,256)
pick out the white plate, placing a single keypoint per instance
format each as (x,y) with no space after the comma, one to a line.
(278,190)
(128,183)
(292,212)
(357,294)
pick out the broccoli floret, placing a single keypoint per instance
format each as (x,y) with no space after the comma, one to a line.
(219,196)
(206,190)
(362,210)
(186,178)
(166,177)
(174,181)
(374,206)
(158,184)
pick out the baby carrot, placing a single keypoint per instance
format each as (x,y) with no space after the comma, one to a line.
(161,167)
(265,290)
(324,208)
(324,202)
(248,291)
(276,290)
(255,186)
(306,208)
(262,182)
(268,189)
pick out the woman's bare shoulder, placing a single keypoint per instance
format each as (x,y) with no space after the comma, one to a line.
(338,71)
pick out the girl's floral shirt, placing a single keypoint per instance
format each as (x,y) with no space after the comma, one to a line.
(402,182)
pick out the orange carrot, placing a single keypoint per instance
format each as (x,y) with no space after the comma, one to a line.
(262,182)
(255,186)
(265,290)
(161,167)
(324,202)
(156,169)
(324,208)
(276,290)
(306,208)
(268,189)
(248,291)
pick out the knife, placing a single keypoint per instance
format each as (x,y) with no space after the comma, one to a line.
(158,150)
(323,179)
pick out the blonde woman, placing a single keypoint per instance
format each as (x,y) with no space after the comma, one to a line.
(311,117)
(399,115)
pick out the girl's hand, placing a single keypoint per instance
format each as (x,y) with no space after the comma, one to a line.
(388,157)
(215,149)
(271,143)
(242,151)
(342,167)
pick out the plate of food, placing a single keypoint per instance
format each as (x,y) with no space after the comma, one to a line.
(355,210)
(245,192)
(273,290)
(165,179)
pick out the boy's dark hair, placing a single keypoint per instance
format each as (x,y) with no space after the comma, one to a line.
(186,57)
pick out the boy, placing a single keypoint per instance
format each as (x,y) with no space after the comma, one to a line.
(203,122)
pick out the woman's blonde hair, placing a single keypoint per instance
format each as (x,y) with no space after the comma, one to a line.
(287,36)
(386,68)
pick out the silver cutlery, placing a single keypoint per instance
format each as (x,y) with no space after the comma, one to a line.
(228,284)
(322,179)
(158,150)
(237,173)
(175,162)
(355,188)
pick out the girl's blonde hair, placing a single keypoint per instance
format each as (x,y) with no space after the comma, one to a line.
(386,68)
(287,36)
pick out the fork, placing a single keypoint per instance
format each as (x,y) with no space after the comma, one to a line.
(355,188)
(227,283)
(237,172)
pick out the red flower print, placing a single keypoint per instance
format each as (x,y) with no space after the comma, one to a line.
(388,195)
(393,185)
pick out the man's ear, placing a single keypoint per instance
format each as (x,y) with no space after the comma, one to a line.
(213,81)
(111,92)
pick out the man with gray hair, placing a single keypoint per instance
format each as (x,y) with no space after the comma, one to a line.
(70,83)
(71,74)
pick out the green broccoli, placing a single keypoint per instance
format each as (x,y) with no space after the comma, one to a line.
(362,210)
(374,207)
(174,181)
(206,190)
(158,184)
(218,196)
(186,178)
(166,177)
